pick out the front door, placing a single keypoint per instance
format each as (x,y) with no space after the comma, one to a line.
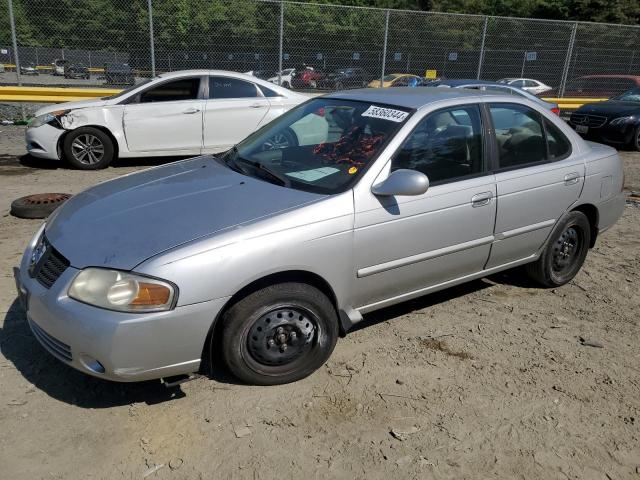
(407,243)
(235,109)
(538,179)
(167,117)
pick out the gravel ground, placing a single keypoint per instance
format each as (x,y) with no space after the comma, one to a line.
(485,380)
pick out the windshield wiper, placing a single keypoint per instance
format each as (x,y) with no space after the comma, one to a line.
(284,181)
(234,161)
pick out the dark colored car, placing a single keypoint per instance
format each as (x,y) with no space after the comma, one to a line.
(118,74)
(76,70)
(307,78)
(616,121)
(597,86)
(345,78)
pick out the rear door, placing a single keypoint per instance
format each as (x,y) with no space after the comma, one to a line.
(235,108)
(538,178)
(166,117)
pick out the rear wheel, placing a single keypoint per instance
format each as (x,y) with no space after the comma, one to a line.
(564,253)
(88,148)
(278,334)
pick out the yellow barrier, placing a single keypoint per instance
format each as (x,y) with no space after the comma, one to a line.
(51,67)
(64,94)
(52,94)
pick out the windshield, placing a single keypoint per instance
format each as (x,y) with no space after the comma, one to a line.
(321,146)
(127,90)
(632,95)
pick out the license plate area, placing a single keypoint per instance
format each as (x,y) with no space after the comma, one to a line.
(582,128)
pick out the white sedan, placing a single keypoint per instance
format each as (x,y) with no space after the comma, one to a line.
(285,77)
(530,85)
(179,113)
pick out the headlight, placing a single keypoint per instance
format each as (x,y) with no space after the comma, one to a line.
(46,118)
(621,120)
(122,291)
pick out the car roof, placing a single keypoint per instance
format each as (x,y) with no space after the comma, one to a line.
(406,97)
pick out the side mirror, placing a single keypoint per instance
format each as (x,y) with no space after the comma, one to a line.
(402,182)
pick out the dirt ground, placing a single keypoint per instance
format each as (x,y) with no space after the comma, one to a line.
(487,380)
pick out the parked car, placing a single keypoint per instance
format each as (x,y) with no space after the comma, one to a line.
(530,85)
(263,256)
(398,80)
(285,77)
(58,66)
(177,113)
(495,87)
(616,121)
(307,78)
(599,86)
(76,70)
(342,78)
(119,74)
(28,69)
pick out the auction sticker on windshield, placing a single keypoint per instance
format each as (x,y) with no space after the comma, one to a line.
(385,113)
(314,174)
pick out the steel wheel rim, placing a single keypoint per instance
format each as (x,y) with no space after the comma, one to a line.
(276,142)
(87,149)
(566,250)
(282,336)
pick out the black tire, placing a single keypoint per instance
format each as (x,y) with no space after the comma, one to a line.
(286,85)
(635,140)
(99,155)
(37,206)
(278,334)
(564,253)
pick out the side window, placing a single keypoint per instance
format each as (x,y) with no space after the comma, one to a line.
(559,146)
(518,83)
(530,83)
(519,135)
(445,145)
(183,89)
(267,92)
(226,87)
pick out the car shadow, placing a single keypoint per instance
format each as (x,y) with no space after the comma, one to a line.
(59,381)
(19,346)
(44,164)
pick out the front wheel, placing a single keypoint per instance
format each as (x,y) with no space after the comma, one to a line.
(278,334)
(635,140)
(88,148)
(564,253)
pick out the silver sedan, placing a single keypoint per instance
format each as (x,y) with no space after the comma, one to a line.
(264,255)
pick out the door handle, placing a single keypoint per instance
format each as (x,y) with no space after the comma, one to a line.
(571,178)
(190,111)
(481,199)
(256,105)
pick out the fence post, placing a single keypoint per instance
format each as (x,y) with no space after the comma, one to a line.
(280,54)
(384,48)
(567,61)
(151,39)
(484,37)
(16,56)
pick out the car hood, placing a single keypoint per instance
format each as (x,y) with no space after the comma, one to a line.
(611,108)
(123,222)
(94,102)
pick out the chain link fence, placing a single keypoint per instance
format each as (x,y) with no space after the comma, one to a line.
(142,38)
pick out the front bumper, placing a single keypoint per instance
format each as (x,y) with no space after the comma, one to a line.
(129,347)
(42,141)
(616,134)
